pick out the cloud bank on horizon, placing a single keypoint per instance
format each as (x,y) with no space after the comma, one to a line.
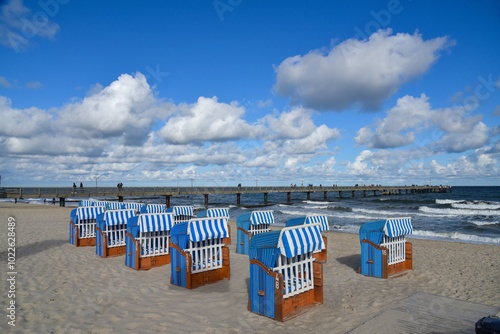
(360,110)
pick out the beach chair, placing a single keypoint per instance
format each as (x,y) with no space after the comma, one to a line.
(148,240)
(135,206)
(182,213)
(249,224)
(113,206)
(154,208)
(285,279)
(320,255)
(111,227)
(82,225)
(385,253)
(199,255)
(220,213)
(87,203)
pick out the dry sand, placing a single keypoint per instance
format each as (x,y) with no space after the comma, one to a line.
(64,289)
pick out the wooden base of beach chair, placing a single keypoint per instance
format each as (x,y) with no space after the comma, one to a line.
(134,261)
(102,246)
(227,241)
(74,240)
(379,263)
(243,241)
(321,256)
(182,269)
(266,293)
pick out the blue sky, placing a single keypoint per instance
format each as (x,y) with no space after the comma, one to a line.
(229,91)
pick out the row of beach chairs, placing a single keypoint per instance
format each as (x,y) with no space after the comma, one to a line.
(286,266)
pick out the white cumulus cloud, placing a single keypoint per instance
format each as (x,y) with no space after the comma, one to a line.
(357,72)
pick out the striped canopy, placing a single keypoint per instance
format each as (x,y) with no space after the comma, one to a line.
(117,217)
(101,203)
(322,220)
(299,240)
(183,211)
(155,222)
(155,208)
(218,212)
(396,227)
(89,212)
(87,203)
(262,217)
(135,206)
(114,205)
(207,228)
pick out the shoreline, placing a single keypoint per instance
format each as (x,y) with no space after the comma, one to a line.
(62,288)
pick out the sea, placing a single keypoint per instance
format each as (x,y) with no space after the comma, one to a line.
(466,214)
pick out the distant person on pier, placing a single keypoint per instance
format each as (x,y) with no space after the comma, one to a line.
(74,187)
(81,186)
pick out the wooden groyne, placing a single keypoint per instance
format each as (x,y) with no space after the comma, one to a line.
(63,193)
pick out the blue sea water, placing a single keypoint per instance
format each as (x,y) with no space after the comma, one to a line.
(469,214)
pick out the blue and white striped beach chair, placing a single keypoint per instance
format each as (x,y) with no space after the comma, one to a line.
(384,249)
(148,240)
(199,255)
(82,225)
(217,213)
(249,224)
(135,206)
(285,279)
(154,208)
(182,213)
(111,227)
(320,255)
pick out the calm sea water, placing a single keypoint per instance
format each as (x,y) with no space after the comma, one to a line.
(470,214)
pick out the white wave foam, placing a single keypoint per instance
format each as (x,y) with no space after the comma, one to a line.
(382,212)
(476,206)
(483,223)
(457,236)
(459,212)
(316,202)
(447,201)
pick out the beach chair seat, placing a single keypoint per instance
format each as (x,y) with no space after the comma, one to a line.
(199,255)
(321,254)
(285,279)
(217,213)
(148,240)
(249,224)
(111,227)
(385,253)
(82,225)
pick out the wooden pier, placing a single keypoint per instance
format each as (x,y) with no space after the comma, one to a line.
(63,193)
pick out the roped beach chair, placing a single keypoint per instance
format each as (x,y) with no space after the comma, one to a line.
(199,255)
(182,213)
(285,279)
(220,213)
(154,208)
(320,255)
(111,227)
(385,253)
(249,224)
(148,240)
(82,225)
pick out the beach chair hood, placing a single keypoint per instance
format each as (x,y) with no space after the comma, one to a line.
(154,208)
(89,212)
(182,211)
(214,212)
(310,219)
(393,227)
(290,241)
(114,217)
(255,218)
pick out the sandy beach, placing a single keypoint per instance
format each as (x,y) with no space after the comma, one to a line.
(63,289)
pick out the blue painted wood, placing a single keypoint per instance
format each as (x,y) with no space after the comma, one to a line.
(370,253)
(72,234)
(261,281)
(243,242)
(177,260)
(130,253)
(99,243)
